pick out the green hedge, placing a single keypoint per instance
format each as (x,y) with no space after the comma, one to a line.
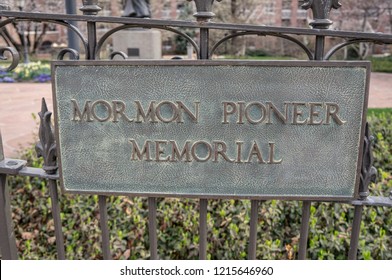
(382,64)
(228,221)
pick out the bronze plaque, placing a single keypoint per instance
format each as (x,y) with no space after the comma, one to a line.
(240,129)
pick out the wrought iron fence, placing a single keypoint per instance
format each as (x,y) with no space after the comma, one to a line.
(204,49)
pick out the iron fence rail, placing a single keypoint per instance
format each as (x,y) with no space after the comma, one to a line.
(92,47)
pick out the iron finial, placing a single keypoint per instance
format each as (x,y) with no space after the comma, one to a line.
(321,10)
(90,7)
(46,146)
(204,9)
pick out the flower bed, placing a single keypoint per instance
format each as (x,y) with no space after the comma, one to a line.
(35,71)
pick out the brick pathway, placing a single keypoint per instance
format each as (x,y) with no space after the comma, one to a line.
(18,102)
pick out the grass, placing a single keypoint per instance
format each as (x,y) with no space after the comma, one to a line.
(259,57)
(379,64)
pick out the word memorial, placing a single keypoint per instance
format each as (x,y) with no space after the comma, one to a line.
(211,129)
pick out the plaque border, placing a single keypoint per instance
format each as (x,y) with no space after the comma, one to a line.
(291,63)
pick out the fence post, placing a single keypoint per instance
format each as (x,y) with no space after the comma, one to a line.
(90,7)
(203,14)
(7,235)
(321,10)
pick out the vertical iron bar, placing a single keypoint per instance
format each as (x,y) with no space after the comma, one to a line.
(90,7)
(303,241)
(152,227)
(203,15)
(304,232)
(204,54)
(203,229)
(319,51)
(104,227)
(204,39)
(253,229)
(7,235)
(57,219)
(352,254)
(92,40)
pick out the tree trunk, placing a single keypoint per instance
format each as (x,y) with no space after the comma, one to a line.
(238,44)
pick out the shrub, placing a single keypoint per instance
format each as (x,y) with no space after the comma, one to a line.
(382,64)
(381,129)
(256,52)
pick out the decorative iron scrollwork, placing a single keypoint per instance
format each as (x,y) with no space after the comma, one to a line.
(368,171)
(321,10)
(244,33)
(73,54)
(14,56)
(118,53)
(46,146)
(333,50)
(128,26)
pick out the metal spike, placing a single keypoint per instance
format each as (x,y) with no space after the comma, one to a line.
(321,10)
(368,171)
(90,7)
(46,147)
(204,9)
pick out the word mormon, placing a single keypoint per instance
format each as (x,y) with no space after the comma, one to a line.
(240,112)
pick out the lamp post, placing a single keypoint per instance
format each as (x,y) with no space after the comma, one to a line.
(21,4)
(70,7)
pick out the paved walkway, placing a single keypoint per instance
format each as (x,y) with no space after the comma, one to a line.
(19,107)
(19,102)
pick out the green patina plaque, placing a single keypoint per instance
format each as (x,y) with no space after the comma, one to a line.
(288,130)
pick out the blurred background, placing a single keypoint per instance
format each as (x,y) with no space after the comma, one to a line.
(44,40)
